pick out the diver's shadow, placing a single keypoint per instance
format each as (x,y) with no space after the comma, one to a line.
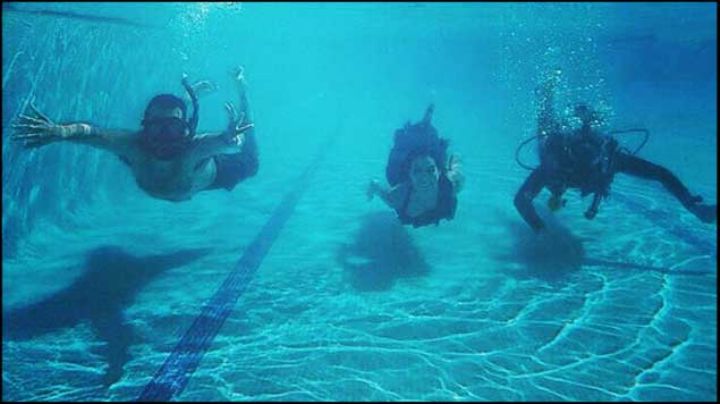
(551,257)
(110,281)
(559,253)
(382,252)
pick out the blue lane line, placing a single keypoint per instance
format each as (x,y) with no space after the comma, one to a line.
(175,373)
(670,224)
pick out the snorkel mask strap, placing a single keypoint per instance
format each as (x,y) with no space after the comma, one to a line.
(192,124)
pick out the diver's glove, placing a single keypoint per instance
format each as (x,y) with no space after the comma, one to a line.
(590,214)
(593,209)
(556,202)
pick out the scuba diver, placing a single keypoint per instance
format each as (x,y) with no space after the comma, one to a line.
(587,160)
(424,184)
(168,159)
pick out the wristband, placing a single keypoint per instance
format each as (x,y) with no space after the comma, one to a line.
(85,129)
(65,131)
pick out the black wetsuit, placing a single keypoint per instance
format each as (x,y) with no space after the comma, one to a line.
(589,162)
(444,209)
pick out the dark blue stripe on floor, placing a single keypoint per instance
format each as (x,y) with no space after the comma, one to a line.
(173,376)
(670,224)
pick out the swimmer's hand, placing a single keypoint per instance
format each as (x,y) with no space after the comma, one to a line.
(239,74)
(237,127)
(454,172)
(203,87)
(37,130)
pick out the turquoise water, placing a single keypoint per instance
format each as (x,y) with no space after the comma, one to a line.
(348,304)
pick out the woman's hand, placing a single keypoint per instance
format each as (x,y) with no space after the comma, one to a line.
(454,173)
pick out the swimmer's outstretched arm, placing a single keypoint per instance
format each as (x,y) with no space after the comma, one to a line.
(239,76)
(229,142)
(242,115)
(392,197)
(211,144)
(37,130)
(240,126)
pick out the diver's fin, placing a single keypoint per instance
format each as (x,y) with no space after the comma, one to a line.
(706,213)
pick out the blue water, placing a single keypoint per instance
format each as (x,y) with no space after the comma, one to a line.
(101,282)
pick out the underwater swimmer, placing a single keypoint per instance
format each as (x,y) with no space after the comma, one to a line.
(168,160)
(424,187)
(587,160)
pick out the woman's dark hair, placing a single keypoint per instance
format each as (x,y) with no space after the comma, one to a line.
(436,152)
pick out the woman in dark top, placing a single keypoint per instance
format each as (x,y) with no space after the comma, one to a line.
(424,186)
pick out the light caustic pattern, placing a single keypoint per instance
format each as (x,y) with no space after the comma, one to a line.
(627,321)
(470,310)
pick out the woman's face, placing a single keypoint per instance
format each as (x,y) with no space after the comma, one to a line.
(423,172)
